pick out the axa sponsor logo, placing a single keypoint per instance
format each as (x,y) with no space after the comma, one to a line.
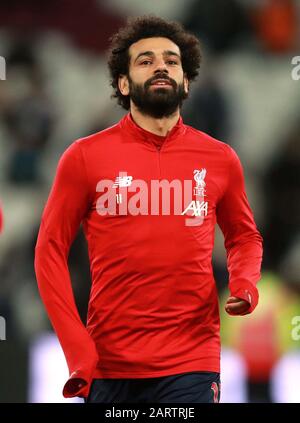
(198,208)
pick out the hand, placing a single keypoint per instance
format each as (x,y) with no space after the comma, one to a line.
(236,306)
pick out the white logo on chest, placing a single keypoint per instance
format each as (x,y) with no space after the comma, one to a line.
(122,181)
(199,176)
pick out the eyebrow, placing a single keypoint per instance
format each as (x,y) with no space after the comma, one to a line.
(150,53)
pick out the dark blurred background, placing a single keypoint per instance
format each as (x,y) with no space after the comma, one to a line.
(57,90)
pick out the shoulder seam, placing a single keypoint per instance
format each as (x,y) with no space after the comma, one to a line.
(222,144)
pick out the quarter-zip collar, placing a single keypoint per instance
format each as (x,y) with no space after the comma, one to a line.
(128,124)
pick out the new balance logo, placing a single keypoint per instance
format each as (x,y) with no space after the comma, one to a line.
(216,391)
(122,181)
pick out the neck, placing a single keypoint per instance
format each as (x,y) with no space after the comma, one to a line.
(156,126)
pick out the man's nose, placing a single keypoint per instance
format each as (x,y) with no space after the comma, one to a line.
(161,67)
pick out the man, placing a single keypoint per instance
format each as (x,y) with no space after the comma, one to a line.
(148,191)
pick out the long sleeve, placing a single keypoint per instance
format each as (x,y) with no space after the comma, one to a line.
(242,240)
(66,207)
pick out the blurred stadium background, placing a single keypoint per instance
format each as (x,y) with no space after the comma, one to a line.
(57,90)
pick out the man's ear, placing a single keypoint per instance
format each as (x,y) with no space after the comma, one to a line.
(185,84)
(123,84)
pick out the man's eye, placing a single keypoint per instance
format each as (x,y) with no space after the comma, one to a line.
(145,62)
(172,62)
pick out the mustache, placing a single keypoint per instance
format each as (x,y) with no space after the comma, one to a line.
(160,76)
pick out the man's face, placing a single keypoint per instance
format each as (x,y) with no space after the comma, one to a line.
(156,83)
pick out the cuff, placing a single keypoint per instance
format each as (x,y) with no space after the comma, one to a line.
(245,290)
(78,384)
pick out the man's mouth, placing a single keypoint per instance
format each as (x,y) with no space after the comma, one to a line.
(161,82)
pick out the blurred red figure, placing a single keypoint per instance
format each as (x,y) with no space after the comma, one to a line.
(276,24)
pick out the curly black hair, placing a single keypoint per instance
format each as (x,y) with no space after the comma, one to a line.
(148,26)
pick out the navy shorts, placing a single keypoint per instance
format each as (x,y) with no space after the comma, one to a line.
(192,387)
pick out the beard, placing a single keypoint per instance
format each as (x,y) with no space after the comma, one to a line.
(157,102)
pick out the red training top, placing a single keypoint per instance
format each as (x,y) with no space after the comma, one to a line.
(153,308)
